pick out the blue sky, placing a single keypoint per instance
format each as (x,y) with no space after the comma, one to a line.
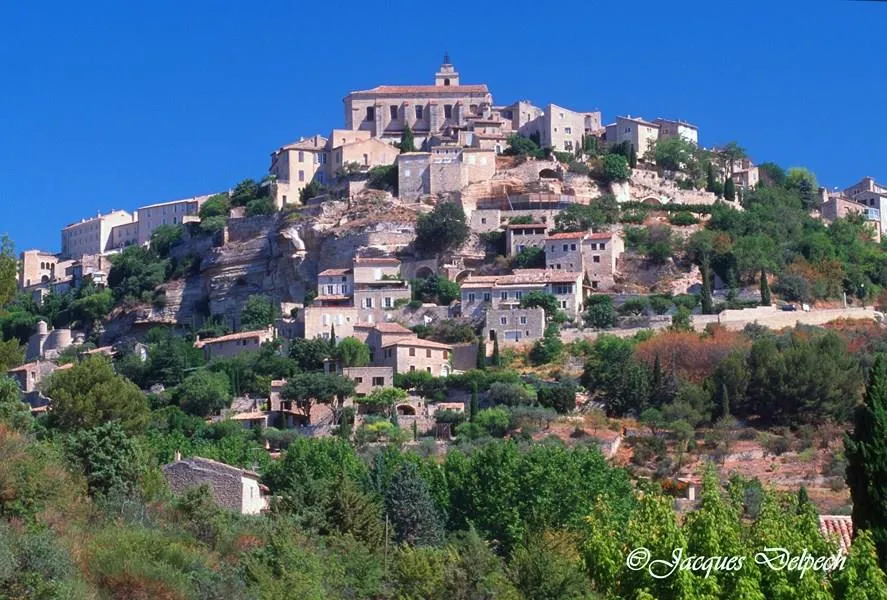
(121,104)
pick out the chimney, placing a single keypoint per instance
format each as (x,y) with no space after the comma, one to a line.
(178,456)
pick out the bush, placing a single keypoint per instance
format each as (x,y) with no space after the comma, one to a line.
(634,306)
(530,257)
(660,304)
(682,219)
(383,177)
(795,288)
(634,217)
(560,397)
(688,301)
(600,313)
(614,167)
(443,229)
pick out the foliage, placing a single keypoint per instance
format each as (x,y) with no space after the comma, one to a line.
(14,412)
(91,393)
(215,206)
(108,457)
(549,349)
(135,272)
(509,394)
(682,219)
(382,399)
(599,313)
(407,143)
(257,313)
(305,389)
(351,352)
(8,270)
(560,397)
(614,168)
(411,508)
(448,331)
(165,237)
(383,177)
(312,190)
(585,217)
(435,290)
(522,146)
(540,299)
(203,393)
(530,257)
(310,354)
(443,229)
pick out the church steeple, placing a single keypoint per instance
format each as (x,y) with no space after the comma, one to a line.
(447,75)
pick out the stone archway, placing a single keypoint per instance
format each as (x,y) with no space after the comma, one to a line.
(651,201)
(424,273)
(462,275)
(548,174)
(405,410)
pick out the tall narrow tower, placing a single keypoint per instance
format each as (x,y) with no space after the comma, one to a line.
(447,75)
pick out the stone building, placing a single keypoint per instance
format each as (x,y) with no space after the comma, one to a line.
(593,254)
(874,195)
(232,488)
(429,110)
(446,168)
(175,212)
(378,335)
(92,236)
(512,325)
(413,354)
(38,267)
(745,174)
(335,285)
(563,251)
(366,379)
(671,128)
(480,292)
(320,320)
(233,344)
(30,375)
(838,206)
(640,133)
(521,236)
(557,127)
(49,343)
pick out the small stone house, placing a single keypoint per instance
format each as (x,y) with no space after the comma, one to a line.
(413,354)
(233,488)
(513,325)
(521,236)
(235,343)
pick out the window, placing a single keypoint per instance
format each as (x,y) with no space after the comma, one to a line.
(503,296)
(428,353)
(603,246)
(447,81)
(393,109)
(368,302)
(387,302)
(358,380)
(523,320)
(566,247)
(596,258)
(483,220)
(487,296)
(428,369)
(573,247)
(446,354)
(412,352)
(301,156)
(471,297)
(419,111)
(561,115)
(448,111)
(518,295)
(378,381)
(568,130)
(412,368)
(301,175)
(558,266)
(329,290)
(371,113)
(503,320)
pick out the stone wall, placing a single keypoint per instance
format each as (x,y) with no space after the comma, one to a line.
(224,480)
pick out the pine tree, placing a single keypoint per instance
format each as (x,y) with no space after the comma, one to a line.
(352,511)
(729,190)
(496,360)
(765,289)
(411,508)
(725,402)
(407,143)
(866,452)
(473,407)
(333,336)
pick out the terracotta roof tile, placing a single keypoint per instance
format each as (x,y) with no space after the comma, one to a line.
(837,528)
(601,235)
(391,328)
(569,235)
(425,89)
(384,260)
(418,342)
(329,272)
(243,335)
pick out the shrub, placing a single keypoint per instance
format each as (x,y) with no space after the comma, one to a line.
(614,167)
(682,219)
(600,313)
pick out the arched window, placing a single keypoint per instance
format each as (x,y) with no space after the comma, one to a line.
(447,81)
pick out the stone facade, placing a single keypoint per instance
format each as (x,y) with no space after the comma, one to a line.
(640,133)
(231,345)
(518,237)
(92,236)
(46,343)
(367,379)
(153,216)
(600,253)
(429,110)
(839,206)
(233,489)
(669,128)
(480,292)
(413,354)
(513,325)
(874,195)
(29,375)
(318,321)
(563,251)
(37,267)
(560,128)
(447,168)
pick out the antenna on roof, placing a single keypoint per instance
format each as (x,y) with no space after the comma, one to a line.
(446,57)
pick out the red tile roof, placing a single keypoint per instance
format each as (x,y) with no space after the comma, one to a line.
(243,335)
(526,226)
(601,235)
(522,277)
(419,343)
(329,272)
(391,328)
(425,89)
(837,528)
(570,235)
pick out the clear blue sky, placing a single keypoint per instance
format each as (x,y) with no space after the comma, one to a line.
(120,104)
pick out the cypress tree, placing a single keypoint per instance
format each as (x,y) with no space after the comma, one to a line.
(729,190)
(496,359)
(632,157)
(725,402)
(705,297)
(711,182)
(333,336)
(481,355)
(473,407)
(866,452)
(765,289)
(407,142)
(411,508)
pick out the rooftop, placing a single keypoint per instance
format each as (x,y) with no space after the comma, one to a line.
(424,89)
(331,272)
(207,463)
(419,343)
(242,335)
(568,235)
(171,202)
(384,260)
(837,528)
(391,328)
(526,226)
(522,277)
(601,235)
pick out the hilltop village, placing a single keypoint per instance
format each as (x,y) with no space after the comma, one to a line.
(440,271)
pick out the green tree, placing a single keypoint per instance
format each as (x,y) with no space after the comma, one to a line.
(803,182)
(351,511)
(633,157)
(549,348)
(866,453)
(203,393)
(351,352)
(530,257)
(765,289)
(443,229)
(540,299)
(604,210)
(165,237)
(861,578)
(729,190)
(306,389)
(12,354)
(521,146)
(473,406)
(600,313)
(215,206)
(549,567)
(310,354)
(711,181)
(312,190)
(244,191)
(407,144)
(411,508)
(496,358)
(560,397)
(382,399)
(90,393)
(8,270)
(135,272)
(615,168)
(110,459)
(257,313)
(673,153)
(13,411)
